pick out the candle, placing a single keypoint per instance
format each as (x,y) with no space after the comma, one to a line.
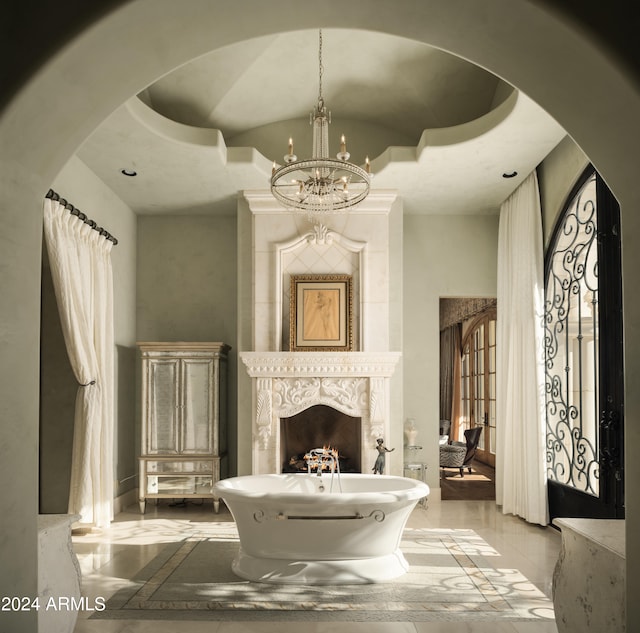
(343,144)
(273,168)
(367,165)
(290,146)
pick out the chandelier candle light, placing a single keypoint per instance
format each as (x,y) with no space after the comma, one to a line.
(320,185)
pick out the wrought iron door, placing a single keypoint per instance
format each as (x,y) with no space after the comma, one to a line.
(583,355)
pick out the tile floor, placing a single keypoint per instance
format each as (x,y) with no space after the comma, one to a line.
(108,559)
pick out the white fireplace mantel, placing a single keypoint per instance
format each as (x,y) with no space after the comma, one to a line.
(285,383)
(287,364)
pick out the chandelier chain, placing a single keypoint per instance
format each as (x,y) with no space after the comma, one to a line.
(320,67)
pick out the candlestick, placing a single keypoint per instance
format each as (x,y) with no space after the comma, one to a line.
(290,157)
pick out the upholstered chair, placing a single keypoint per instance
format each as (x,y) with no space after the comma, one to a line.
(461,454)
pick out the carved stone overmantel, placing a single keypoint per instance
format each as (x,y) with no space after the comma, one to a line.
(285,383)
(357,243)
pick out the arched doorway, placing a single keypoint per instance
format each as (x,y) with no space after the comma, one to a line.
(38,136)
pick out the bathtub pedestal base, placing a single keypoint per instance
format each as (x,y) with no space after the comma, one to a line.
(320,572)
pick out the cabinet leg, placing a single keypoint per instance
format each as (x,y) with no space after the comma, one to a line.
(216,505)
(143,505)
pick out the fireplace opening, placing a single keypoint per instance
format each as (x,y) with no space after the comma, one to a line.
(316,427)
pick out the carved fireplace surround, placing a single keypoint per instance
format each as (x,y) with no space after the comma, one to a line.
(286,383)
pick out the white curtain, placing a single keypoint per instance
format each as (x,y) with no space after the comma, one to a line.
(80,261)
(521,487)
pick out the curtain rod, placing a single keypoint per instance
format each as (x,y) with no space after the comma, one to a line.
(75,211)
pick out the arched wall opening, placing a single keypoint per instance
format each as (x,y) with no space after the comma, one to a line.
(110,60)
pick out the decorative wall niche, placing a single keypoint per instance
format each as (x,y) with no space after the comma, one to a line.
(320,251)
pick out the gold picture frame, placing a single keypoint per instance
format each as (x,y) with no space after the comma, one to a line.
(321,313)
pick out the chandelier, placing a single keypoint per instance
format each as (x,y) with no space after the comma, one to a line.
(320,185)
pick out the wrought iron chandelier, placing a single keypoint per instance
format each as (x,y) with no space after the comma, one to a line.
(320,185)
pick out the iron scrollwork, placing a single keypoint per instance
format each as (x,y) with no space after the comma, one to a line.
(571,348)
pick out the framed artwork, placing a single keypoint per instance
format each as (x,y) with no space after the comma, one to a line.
(321,313)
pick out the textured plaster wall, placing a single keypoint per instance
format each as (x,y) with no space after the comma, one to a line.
(187,287)
(57,402)
(452,256)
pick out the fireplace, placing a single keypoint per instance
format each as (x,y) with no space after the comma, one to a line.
(287,384)
(317,427)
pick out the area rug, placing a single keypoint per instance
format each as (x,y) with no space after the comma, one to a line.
(451,578)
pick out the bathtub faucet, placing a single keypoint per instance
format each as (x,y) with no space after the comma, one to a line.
(321,459)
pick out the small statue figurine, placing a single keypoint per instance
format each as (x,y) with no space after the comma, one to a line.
(378,467)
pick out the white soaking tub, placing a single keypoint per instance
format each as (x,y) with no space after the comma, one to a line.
(301,528)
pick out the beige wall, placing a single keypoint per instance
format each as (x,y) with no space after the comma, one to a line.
(453,256)
(57,405)
(187,287)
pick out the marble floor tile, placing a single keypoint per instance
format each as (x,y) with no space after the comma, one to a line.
(109,560)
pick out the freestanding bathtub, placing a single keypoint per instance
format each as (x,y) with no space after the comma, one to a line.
(301,528)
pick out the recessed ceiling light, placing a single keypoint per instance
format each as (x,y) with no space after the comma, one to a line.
(509,174)
(129,172)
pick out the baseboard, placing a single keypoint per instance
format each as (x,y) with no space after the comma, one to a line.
(126,499)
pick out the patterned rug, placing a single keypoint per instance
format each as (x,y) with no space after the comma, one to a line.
(452,577)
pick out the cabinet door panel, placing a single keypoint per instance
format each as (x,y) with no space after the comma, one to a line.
(162,425)
(197,406)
